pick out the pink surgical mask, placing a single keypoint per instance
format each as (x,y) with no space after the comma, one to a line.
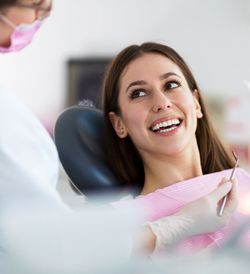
(21,36)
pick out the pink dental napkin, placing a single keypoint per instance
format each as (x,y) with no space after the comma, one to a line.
(169,200)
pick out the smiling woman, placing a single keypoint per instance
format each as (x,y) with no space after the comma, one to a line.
(155,117)
(159,137)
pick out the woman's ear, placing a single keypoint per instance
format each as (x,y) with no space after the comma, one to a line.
(118,125)
(199,113)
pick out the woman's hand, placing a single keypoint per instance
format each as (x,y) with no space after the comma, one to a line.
(197,217)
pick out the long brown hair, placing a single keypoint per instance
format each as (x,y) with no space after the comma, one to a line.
(122,155)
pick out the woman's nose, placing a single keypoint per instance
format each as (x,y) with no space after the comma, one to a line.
(161,102)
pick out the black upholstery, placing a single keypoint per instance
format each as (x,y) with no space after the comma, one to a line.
(80,143)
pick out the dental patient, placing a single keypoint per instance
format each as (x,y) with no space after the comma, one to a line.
(160,140)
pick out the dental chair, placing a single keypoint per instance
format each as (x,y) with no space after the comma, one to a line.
(79,138)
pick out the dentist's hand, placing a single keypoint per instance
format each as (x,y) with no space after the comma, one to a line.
(197,217)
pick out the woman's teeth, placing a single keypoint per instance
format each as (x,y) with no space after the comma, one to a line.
(166,125)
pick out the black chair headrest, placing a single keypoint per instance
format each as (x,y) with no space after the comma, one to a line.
(79,138)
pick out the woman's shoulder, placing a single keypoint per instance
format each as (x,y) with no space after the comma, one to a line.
(243,172)
(243,178)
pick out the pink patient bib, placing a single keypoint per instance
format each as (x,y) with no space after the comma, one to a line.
(167,201)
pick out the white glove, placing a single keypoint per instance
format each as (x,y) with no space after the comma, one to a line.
(198,217)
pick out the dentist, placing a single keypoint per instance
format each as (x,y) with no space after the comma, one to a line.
(28,157)
(29,174)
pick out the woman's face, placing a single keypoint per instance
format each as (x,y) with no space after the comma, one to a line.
(20,15)
(158,110)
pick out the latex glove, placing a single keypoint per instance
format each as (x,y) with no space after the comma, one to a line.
(198,217)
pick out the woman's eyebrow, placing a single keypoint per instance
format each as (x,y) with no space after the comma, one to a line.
(142,82)
(168,74)
(136,83)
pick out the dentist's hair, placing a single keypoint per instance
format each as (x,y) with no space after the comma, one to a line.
(122,155)
(6,3)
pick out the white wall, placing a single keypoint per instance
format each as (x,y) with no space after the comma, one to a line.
(213,36)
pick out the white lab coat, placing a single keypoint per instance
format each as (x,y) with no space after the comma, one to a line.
(28,157)
(38,232)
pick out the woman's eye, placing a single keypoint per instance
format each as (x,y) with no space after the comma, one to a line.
(172,85)
(137,93)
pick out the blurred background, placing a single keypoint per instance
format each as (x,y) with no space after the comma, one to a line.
(69,54)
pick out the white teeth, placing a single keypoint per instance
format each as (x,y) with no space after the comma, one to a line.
(168,129)
(168,123)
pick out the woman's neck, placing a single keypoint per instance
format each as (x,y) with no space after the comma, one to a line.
(167,170)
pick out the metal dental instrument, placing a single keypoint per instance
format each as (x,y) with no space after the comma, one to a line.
(231,177)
